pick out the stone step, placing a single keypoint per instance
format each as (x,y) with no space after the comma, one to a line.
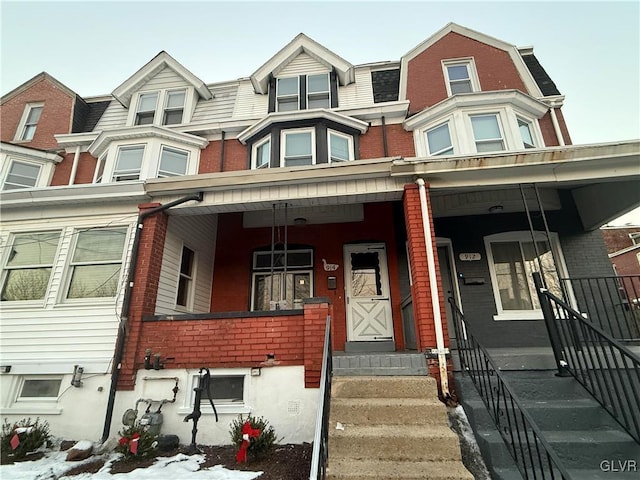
(379,364)
(350,469)
(393,442)
(384,387)
(388,411)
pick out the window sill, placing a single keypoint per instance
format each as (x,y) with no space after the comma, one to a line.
(521,315)
(221,409)
(22,304)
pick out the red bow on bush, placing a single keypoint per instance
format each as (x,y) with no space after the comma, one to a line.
(248,432)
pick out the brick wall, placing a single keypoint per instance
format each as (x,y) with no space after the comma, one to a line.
(628,263)
(617,239)
(84,173)
(399,142)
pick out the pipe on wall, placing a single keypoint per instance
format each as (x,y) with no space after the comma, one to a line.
(556,126)
(74,168)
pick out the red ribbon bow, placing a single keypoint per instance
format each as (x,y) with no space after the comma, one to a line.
(248,432)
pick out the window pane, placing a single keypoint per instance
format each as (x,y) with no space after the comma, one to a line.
(318,101)
(318,83)
(262,291)
(365,275)
(33,249)
(462,86)
(511,276)
(491,146)
(485,127)
(298,288)
(263,155)
(34,115)
(173,162)
(339,147)
(288,86)
(525,133)
(89,281)
(148,102)
(25,284)
(186,265)
(21,175)
(175,99)
(439,140)
(458,72)
(130,158)
(227,389)
(45,388)
(100,245)
(288,104)
(298,144)
(29,132)
(172,117)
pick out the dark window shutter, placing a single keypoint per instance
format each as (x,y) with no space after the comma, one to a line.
(322,149)
(303,92)
(333,86)
(275,147)
(272,94)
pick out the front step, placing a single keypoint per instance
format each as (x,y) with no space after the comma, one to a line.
(379,364)
(388,427)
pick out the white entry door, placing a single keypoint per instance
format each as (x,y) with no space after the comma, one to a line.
(367,293)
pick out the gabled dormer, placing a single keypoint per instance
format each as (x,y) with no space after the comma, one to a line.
(163,92)
(303,75)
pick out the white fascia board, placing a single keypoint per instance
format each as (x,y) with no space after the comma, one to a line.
(394,112)
(478,99)
(83,194)
(451,27)
(125,91)
(624,250)
(102,142)
(554,101)
(29,153)
(70,140)
(301,43)
(279,117)
(214,128)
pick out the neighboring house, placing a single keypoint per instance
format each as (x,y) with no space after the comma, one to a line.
(313,187)
(623,246)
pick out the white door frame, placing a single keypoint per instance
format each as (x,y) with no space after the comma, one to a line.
(447,244)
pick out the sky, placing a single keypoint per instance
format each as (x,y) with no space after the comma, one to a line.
(590,49)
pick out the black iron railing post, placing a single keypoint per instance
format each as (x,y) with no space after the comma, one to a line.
(552,328)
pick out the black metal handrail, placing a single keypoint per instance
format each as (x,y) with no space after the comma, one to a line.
(320,453)
(610,302)
(603,365)
(526,443)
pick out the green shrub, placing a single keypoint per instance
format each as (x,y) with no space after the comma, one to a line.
(29,441)
(260,446)
(147,444)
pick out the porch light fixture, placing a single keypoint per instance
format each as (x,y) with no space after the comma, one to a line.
(496,209)
(300,221)
(76,381)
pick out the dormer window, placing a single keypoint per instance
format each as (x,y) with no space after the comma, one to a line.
(288,97)
(174,108)
(146,111)
(303,92)
(460,76)
(30,118)
(318,93)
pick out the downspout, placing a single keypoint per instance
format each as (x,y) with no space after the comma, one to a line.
(385,146)
(126,304)
(74,168)
(556,126)
(433,284)
(222,152)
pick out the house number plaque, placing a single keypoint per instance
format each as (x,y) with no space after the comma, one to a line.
(469,257)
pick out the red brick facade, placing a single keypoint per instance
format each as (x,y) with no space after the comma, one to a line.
(399,142)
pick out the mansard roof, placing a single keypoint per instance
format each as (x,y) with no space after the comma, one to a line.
(125,91)
(301,43)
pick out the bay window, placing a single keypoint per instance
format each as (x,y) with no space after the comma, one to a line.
(21,175)
(525,133)
(340,147)
(128,163)
(298,148)
(261,157)
(439,140)
(487,133)
(173,162)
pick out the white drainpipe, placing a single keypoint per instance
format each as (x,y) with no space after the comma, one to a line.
(74,167)
(433,283)
(556,126)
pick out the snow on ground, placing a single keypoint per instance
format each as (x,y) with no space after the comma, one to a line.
(179,467)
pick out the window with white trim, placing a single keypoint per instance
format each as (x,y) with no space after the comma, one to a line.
(184,296)
(146,108)
(128,163)
(29,122)
(526,134)
(173,162)
(28,265)
(174,108)
(439,140)
(635,238)
(272,289)
(287,94)
(261,153)
(94,270)
(460,76)
(99,173)
(318,92)
(40,388)
(297,148)
(340,147)
(513,258)
(487,133)
(21,175)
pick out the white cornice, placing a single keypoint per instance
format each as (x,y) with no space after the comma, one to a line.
(101,143)
(279,117)
(68,140)
(301,43)
(29,153)
(125,91)
(390,110)
(478,99)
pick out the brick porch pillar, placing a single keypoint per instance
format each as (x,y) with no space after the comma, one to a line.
(316,311)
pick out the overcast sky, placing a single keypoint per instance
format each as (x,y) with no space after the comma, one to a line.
(590,49)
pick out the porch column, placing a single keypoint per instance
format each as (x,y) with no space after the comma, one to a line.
(420,289)
(316,311)
(145,289)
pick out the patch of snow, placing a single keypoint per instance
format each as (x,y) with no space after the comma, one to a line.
(471,456)
(82,445)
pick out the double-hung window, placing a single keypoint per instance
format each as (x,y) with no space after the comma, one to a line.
(487,133)
(340,147)
(526,134)
(128,163)
(272,288)
(439,140)
(174,107)
(96,263)
(28,269)
(173,162)
(31,120)
(299,148)
(318,93)
(288,94)
(460,76)
(185,279)
(146,111)
(21,175)
(262,153)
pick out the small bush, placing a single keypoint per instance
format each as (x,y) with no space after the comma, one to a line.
(260,446)
(147,444)
(30,441)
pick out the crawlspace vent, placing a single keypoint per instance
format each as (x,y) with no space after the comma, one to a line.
(293,407)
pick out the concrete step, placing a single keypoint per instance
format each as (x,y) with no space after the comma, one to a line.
(390,470)
(388,411)
(379,364)
(393,442)
(384,387)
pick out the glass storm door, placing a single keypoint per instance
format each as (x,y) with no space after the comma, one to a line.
(367,293)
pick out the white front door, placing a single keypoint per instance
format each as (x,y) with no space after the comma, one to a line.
(367,293)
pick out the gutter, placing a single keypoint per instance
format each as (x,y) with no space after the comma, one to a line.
(126,304)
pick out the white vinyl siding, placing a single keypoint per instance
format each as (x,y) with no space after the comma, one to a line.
(165,78)
(197,233)
(303,64)
(114,116)
(248,103)
(359,93)
(219,108)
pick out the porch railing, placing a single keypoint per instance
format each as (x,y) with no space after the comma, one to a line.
(525,441)
(611,303)
(321,439)
(603,365)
